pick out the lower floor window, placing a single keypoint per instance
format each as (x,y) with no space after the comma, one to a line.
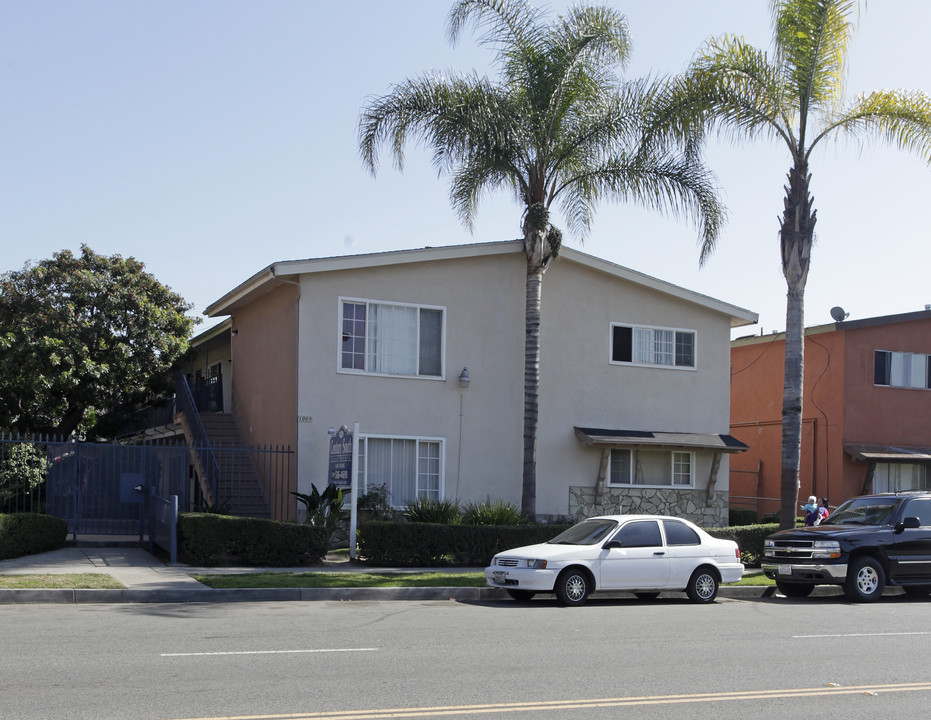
(629,466)
(408,468)
(896,477)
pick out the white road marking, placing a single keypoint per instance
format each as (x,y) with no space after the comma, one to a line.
(268,652)
(839,635)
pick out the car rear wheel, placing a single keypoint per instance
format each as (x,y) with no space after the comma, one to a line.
(798,590)
(703,586)
(521,595)
(865,580)
(572,586)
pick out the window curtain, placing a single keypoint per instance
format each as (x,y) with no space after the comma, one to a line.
(392,339)
(393,463)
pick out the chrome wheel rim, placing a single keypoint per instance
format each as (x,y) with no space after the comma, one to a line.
(704,586)
(575,588)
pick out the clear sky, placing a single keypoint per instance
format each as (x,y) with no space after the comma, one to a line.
(211,138)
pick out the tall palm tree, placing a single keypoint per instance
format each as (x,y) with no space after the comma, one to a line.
(795,96)
(557,124)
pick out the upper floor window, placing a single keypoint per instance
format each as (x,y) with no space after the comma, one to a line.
(901,369)
(652,346)
(391,338)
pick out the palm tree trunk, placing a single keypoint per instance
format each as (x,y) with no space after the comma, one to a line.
(798,223)
(533,247)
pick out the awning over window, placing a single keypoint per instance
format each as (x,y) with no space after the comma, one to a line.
(643,438)
(889,453)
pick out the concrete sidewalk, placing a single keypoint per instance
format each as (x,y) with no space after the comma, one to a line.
(148,580)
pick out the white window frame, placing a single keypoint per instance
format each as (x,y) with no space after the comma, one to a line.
(652,330)
(632,472)
(343,300)
(362,470)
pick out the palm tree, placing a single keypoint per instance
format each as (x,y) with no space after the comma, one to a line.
(557,124)
(795,96)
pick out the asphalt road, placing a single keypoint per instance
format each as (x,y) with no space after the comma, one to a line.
(821,657)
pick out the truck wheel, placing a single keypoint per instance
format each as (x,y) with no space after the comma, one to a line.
(798,590)
(865,580)
(572,586)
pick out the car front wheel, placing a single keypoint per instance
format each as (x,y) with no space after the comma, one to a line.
(572,586)
(703,586)
(865,580)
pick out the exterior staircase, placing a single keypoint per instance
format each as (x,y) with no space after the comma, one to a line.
(239,490)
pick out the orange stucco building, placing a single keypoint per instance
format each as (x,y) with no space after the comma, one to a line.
(866,417)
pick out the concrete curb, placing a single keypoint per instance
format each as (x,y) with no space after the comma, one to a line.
(227,595)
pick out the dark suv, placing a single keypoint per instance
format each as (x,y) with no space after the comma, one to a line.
(865,544)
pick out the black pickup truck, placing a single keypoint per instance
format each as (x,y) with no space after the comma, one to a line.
(865,544)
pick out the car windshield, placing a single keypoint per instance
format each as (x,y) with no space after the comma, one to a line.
(864,511)
(587,532)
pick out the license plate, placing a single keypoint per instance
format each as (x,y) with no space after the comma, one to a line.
(498,576)
(783,569)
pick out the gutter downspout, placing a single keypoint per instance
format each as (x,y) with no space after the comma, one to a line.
(297,368)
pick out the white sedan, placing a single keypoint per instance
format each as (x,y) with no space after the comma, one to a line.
(642,554)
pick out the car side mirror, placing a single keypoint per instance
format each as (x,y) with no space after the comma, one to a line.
(612,544)
(909,523)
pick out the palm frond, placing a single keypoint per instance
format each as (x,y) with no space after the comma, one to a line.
(811,40)
(902,118)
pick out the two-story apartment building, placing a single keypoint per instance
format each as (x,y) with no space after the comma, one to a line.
(634,401)
(866,414)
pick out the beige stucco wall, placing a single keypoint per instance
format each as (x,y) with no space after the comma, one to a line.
(483,298)
(482,425)
(579,386)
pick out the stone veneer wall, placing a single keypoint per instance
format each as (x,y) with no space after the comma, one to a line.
(688,504)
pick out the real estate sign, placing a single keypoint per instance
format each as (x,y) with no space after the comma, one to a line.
(340,470)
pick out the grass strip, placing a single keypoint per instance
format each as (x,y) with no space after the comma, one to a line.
(352,579)
(342,579)
(78,581)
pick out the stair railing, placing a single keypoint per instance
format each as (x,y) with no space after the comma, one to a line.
(204,458)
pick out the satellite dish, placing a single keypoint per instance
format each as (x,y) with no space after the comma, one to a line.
(838,314)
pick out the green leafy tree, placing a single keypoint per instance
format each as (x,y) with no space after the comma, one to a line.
(557,124)
(794,96)
(82,337)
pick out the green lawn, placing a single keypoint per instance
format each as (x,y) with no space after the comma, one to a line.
(352,579)
(80,581)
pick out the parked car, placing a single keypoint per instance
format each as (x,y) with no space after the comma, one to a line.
(643,554)
(865,544)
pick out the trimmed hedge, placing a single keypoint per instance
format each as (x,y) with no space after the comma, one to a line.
(209,540)
(30,533)
(411,544)
(749,539)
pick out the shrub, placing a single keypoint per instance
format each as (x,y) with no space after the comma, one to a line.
(743,516)
(207,539)
(491,512)
(413,544)
(749,539)
(22,476)
(30,533)
(430,510)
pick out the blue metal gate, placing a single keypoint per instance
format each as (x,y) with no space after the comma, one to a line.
(104,489)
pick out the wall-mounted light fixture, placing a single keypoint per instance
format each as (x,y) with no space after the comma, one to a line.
(464,379)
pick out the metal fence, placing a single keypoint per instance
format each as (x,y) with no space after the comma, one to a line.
(108,489)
